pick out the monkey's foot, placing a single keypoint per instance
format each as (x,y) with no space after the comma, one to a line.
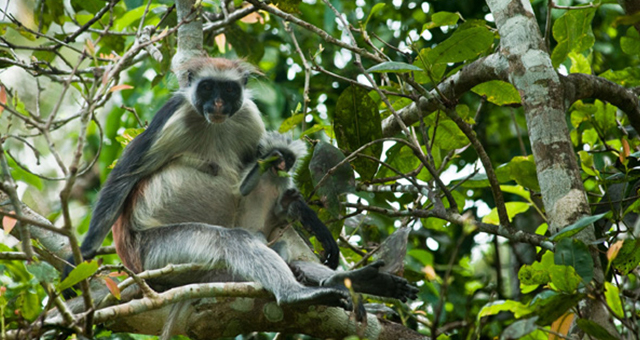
(370,280)
(318,296)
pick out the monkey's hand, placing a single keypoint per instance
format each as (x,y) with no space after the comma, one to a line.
(370,280)
(275,162)
(298,210)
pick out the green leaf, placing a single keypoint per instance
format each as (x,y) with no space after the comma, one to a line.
(20,174)
(43,271)
(128,135)
(550,305)
(577,227)
(521,169)
(518,309)
(449,136)
(291,122)
(575,253)
(605,115)
(91,6)
(595,330)
(431,72)
(565,278)
(325,157)
(401,158)
(579,63)
(81,272)
(394,66)
(516,190)
(498,92)
(612,295)
(538,272)
(356,123)
(130,17)
(630,43)
(519,329)
(289,6)
(462,45)
(513,208)
(425,257)
(46,56)
(246,45)
(573,32)
(442,19)
(628,257)
(31,305)
(375,9)
(627,77)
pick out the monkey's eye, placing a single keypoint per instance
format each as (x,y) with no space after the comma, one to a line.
(206,87)
(230,90)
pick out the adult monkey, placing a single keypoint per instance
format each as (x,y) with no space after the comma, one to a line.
(173,195)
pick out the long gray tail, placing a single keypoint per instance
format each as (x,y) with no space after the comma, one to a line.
(177,310)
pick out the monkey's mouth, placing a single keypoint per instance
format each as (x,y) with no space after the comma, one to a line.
(216,118)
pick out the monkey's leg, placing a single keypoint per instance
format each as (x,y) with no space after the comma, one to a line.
(243,254)
(368,280)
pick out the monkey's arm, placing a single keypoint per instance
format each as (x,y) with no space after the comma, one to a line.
(368,279)
(269,168)
(135,163)
(297,209)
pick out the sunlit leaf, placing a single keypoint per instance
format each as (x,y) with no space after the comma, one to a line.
(513,208)
(565,278)
(442,19)
(573,32)
(612,296)
(518,309)
(498,92)
(81,272)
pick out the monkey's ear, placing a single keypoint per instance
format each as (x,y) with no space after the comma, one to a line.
(245,79)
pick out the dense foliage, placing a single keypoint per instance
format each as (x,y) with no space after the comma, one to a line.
(65,116)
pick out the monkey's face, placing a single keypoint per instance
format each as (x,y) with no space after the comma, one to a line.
(217,100)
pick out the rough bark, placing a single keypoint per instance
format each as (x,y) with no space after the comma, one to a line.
(495,67)
(542,93)
(190,36)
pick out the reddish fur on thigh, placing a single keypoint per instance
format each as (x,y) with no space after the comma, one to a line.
(123,237)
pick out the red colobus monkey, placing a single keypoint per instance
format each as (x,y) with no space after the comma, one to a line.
(186,191)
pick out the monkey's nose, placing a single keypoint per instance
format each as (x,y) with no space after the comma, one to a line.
(218,106)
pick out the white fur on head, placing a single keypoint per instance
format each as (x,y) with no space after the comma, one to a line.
(275,140)
(216,68)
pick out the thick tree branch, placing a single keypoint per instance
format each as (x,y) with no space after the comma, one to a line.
(579,86)
(495,67)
